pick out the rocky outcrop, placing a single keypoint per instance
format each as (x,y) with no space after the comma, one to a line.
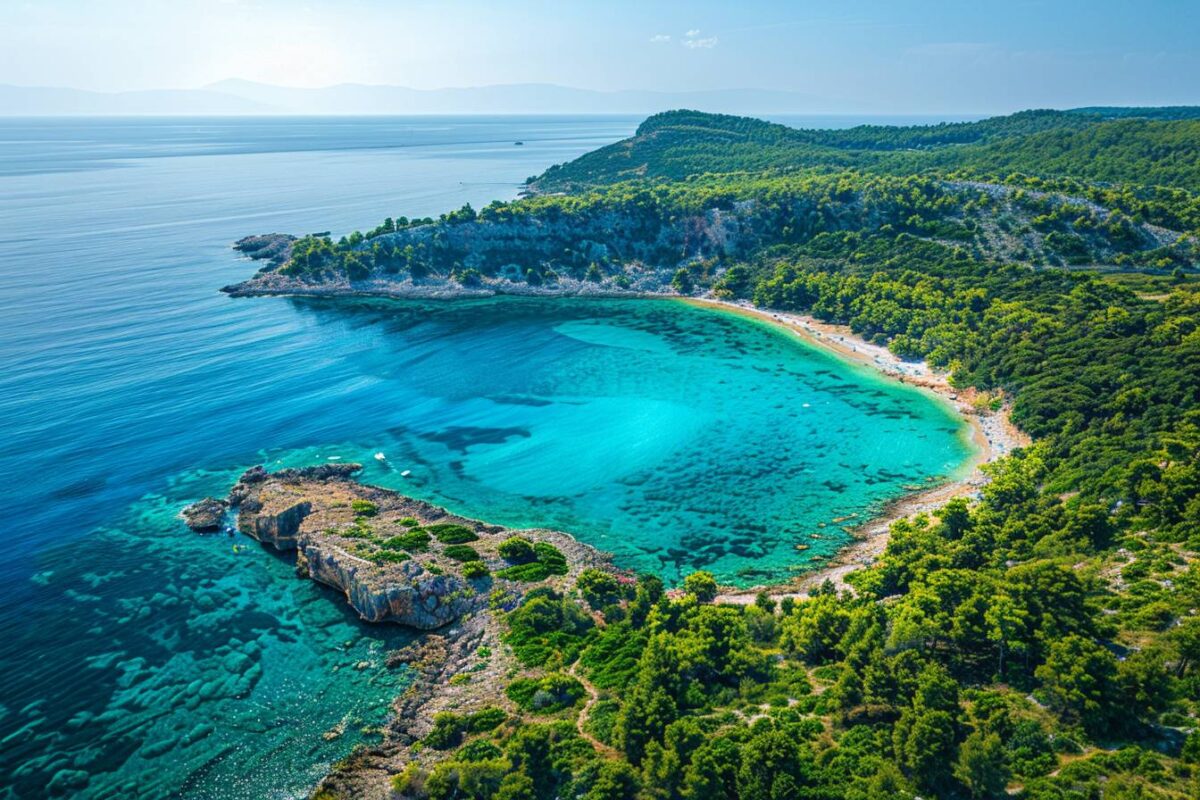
(279,529)
(273,247)
(205,515)
(399,560)
(394,558)
(321,472)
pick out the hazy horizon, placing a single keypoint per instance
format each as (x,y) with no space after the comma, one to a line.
(237,97)
(865,57)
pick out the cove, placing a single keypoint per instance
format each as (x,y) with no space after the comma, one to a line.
(676,438)
(136,654)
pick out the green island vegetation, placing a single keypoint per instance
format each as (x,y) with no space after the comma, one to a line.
(1042,642)
(396,541)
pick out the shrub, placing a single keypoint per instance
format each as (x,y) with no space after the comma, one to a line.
(701,585)
(486,719)
(364,508)
(545,624)
(551,557)
(531,562)
(602,722)
(414,541)
(474,569)
(389,557)
(461,552)
(598,588)
(526,573)
(516,550)
(478,750)
(408,522)
(451,533)
(447,732)
(545,695)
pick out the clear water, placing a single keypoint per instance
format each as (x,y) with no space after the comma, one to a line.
(675,437)
(138,659)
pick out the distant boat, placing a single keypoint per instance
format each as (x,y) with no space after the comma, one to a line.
(380,457)
(518,144)
(406,473)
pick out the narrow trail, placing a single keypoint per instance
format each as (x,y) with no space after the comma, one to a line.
(586,712)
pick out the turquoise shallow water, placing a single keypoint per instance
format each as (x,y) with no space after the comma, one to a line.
(675,437)
(140,660)
(171,665)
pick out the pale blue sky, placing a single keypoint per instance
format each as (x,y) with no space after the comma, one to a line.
(883,55)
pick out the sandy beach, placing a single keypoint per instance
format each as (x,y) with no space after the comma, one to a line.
(993,433)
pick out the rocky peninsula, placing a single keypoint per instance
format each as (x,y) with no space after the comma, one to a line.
(394,558)
(397,560)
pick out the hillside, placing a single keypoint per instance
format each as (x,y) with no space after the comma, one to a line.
(1095,144)
(1041,640)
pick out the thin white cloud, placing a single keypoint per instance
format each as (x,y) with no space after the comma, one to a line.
(660,37)
(706,43)
(692,33)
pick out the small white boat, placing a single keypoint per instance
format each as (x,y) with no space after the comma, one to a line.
(406,473)
(380,457)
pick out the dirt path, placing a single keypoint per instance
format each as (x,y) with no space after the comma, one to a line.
(586,712)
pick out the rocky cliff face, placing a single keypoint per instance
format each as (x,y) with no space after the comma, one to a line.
(407,593)
(278,529)
(606,252)
(296,509)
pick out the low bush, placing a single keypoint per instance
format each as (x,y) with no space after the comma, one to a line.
(364,508)
(474,569)
(516,550)
(450,533)
(461,552)
(545,695)
(414,541)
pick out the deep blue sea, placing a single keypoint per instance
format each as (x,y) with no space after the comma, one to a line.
(140,660)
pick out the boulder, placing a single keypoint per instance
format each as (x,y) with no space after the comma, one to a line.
(205,515)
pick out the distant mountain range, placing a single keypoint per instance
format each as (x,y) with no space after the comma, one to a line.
(247,97)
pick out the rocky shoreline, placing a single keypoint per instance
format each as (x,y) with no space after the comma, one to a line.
(398,560)
(276,285)
(630,280)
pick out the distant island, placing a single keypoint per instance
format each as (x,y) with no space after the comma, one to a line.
(1037,637)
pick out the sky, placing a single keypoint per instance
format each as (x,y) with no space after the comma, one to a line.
(887,56)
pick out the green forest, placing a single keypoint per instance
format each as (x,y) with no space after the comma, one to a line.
(1041,643)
